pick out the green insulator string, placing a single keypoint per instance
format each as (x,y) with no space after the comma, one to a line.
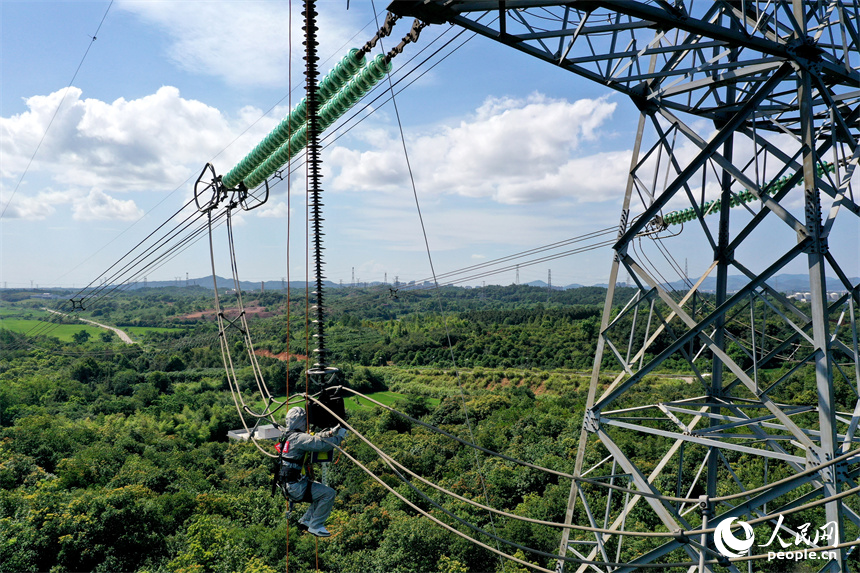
(741,198)
(356,89)
(334,81)
(333,110)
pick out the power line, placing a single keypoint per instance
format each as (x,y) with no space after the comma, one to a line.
(527,263)
(433,271)
(235,139)
(130,251)
(338,132)
(56,111)
(535,250)
(174,250)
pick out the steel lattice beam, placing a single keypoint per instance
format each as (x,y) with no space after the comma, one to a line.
(779,81)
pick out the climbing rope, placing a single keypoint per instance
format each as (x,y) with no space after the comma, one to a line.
(240,323)
(683,536)
(463,522)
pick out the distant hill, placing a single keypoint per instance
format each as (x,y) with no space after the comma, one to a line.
(787,283)
(225,283)
(543,284)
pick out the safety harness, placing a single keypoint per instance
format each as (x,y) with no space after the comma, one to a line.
(289,472)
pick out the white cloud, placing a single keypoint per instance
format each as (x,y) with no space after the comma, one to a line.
(514,151)
(244,43)
(90,205)
(278,210)
(26,208)
(38,207)
(98,205)
(126,145)
(93,148)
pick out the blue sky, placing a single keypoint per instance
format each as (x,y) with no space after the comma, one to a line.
(508,153)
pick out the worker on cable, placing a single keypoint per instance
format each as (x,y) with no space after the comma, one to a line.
(297,449)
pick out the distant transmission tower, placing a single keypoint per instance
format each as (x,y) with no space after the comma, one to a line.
(748,434)
(548,284)
(517,281)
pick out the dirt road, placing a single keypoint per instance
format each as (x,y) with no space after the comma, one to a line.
(122,335)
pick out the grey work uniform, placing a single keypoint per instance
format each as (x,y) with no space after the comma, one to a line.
(298,443)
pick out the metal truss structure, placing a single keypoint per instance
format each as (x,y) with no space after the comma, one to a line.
(767,419)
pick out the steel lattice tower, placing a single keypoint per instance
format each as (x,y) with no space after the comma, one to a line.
(778,84)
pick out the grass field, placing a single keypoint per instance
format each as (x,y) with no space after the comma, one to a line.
(65,331)
(62,331)
(20,311)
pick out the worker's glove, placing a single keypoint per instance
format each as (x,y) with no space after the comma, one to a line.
(341,433)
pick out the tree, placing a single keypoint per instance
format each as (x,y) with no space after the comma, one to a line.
(175,364)
(81,337)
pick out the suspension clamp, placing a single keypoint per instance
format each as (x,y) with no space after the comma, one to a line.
(654,226)
(210,192)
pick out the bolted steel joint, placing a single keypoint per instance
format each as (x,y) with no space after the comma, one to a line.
(592,421)
(806,53)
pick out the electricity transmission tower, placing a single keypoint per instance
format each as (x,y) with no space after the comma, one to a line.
(746,153)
